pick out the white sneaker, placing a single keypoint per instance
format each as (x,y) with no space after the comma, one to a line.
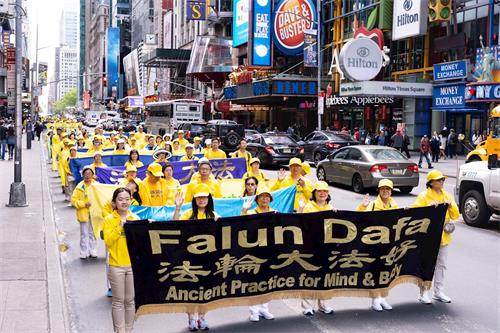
(328,310)
(266,314)
(192,325)
(202,324)
(93,254)
(425,298)
(83,255)
(385,305)
(376,306)
(440,296)
(308,312)
(254,317)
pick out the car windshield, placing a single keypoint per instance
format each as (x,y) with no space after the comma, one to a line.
(338,136)
(197,128)
(384,154)
(278,139)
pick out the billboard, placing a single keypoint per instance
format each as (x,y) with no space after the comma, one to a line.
(42,73)
(112,58)
(261,33)
(409,18)
(240,22)
(196,10)
(131,69)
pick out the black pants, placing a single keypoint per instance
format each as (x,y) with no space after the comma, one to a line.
(452,151)
(435,155)
(405,150)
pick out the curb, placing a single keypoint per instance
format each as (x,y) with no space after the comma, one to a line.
(58,306)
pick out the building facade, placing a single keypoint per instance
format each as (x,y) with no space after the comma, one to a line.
(66,70)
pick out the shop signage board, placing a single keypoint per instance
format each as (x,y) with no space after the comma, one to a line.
(291,18)
(361,59)
(135,102)
(294,88)
(240,22)
(358,100)
(453,70)
(483,92)
(386,88)
(261,33)
(196,10)
(449,96)
(409,18)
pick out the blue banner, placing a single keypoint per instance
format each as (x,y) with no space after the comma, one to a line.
(261,33)
(229,167)
(282,202)
(449,96)
(196,10)
(310,48)
(240,22)
(450,70)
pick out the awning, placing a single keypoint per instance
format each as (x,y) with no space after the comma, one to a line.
(167,57)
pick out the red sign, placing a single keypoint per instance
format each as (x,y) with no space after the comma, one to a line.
(86,100)
(11,56)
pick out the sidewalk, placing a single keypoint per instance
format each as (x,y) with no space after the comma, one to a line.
(32,297)
(447,167)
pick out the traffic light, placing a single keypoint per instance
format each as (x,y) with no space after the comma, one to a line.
(439,10)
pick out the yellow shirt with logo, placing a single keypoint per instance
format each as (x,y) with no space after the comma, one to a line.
(212,155)
(173,186)
(429,197)
(183,142)
(304,193)
(114,238)
(153,194)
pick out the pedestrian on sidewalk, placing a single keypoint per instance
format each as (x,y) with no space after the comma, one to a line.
(80,201)
(452,143)
(397,140)
(3,139)
(120,273)
(406,144)
(442,146)
(435,143)
(435,194)
(11,140)
(424,151)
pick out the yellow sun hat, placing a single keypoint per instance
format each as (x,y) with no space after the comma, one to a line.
(435,175)
(386,182)
(201,190)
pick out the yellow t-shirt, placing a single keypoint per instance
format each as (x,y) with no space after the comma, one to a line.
(138,164)
(428,197)
(313,207)
(212,155)
(186,158)
(377,204)
(261,177)
(246,155)
(183,142)
(173,186)
(201,216)
(153,194)
(304,193)
(214,186)
(257,210)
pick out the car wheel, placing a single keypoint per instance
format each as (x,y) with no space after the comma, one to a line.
(405,189)
(317,158)
(473,158)
(357,184)
(475,211)
(321,174)
(232,139)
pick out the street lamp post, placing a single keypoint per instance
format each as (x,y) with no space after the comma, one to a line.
(17,195)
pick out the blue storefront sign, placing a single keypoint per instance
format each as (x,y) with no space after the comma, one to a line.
(483,92)
(263,88)
(295,88)
(261,33)
(196,10)
(453,70)
(448,96)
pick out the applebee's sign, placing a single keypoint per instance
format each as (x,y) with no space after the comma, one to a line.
(291,18)
(361,59)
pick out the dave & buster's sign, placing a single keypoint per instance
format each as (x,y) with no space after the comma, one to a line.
(291,18)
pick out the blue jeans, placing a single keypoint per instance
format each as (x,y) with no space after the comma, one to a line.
(3,148)
(426,155)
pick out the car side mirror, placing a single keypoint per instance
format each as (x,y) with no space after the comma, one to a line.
(492,161)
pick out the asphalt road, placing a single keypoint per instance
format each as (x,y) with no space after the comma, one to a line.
(472,281)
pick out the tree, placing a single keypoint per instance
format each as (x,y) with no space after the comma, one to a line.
(69,99)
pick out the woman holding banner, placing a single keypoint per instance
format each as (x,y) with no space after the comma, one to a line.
(262,199)
(320,202)
(384,201)
(251,184)
(98,160)
(434,195)
(133,159)
(202,207)
(120,268)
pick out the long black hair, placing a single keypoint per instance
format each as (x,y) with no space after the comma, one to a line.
(245,193)
(209,210)
(313,198)
(118,191)
(130,155)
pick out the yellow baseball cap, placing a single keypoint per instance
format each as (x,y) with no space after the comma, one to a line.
(190,145)
(321,186)
(130,168)
(180,132)
(263,191)
(197,138)
(71,147)
(386,182)
(201,190)
(435,175)
(64,134)
(295,161)
(254,160)
(306,168)
(155,169)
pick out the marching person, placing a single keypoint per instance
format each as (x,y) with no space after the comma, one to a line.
(214,152)
(198,148)
(303,185)
(120,268)
(173,184)
(70,180)
(98,161)
(180,138)
(159,141)
(133,159)
(320,202)
(177,149)
(160,156)
(205,173)
(130,175)
(254,170)
(96,145)
(189,153)
(262,199)
(242,152)
(153,189)
(433,195)
(251,184)
(202,207)
(120,147)
(133,143)
(150,145)
(384,201)
(80,201)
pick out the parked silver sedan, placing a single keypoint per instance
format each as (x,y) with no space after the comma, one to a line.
(363,166)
